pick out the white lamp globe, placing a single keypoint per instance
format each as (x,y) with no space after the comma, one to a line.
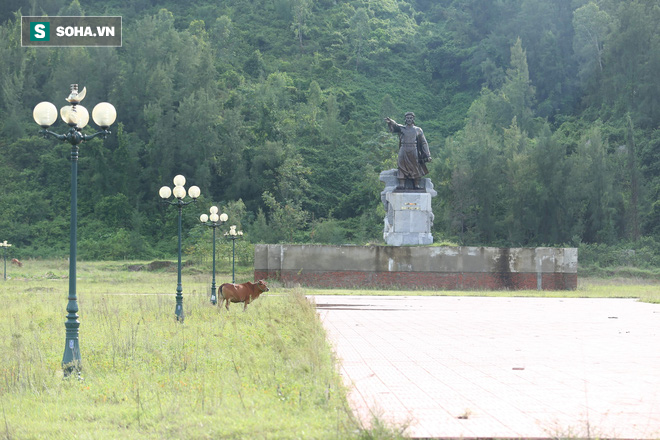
(179,192)
(45,114)
(194,192)
(82,116)
(68,115)
(223,217)
(104,114)
(204,218)
(179,180)
(214,209)
(165,192)
(214,218)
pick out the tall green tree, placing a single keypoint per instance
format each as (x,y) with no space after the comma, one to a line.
(552,205)
(360,30)
(522,188)
(630,84)
(477,181)
(518,92)
(302,9)
(591,170)
(592,27)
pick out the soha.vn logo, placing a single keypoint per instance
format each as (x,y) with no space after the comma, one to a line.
(40,31)
(85,31)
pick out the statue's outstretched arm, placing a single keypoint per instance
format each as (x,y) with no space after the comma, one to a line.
(392,125)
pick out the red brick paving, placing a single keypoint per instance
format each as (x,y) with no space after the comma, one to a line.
(466,367)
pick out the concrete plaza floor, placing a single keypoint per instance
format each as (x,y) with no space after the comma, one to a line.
(468,367)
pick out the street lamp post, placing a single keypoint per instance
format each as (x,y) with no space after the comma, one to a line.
(215,221)
(233,235)
(76,117)
(5,245)
(179,193)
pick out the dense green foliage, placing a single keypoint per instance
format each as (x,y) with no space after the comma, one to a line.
(542,118)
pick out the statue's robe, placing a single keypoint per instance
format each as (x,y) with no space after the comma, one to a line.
(413,151)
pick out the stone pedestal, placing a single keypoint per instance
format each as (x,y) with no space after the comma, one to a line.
(409,217)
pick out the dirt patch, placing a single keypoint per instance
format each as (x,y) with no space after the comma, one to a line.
(160,265)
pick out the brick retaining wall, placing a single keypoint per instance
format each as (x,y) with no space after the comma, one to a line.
(419,267)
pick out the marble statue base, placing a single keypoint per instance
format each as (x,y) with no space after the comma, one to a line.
(409,217)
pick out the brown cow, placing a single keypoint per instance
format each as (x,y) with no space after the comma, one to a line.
(244,293)
(16,262)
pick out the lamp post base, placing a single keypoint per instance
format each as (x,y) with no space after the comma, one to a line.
(178,311)
(71,361)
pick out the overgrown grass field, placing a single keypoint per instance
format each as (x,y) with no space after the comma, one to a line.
(265,373)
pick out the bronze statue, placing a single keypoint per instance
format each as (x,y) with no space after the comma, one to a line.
(413,151)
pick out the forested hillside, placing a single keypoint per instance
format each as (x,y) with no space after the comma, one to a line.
(542,118)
